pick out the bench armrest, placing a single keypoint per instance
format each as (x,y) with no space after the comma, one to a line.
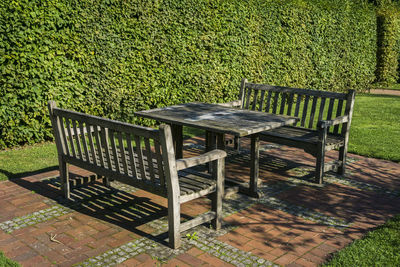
(338,120)
(203,158)
(236,103)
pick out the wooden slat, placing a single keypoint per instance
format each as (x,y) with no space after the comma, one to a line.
(242,92)
(114,150)
(140,161)
(205,217)
(275,104)
(321,108)
(290,104)
(84,142)
(305,110)
(312,114)
(98,145)
(106,145)
(248,95)
(267,106)
(297,108)
(330,108)
(255,100)
(261,100)
(149,159)
(157,147)
(338,114)
(71,140)
(122,151)
(309,92)
(91,144)
(64,135)
(132,159)
(197,183)
(283,102)
(78,142)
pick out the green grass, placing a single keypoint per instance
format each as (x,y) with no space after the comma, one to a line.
(375,129)
(380,247)
(23,161)
(4,262)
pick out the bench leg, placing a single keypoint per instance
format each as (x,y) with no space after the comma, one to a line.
(342,159)
(219,166)
(237,144)
(174,220)
(106,181)
(254,165)
(64,179)
(319,169)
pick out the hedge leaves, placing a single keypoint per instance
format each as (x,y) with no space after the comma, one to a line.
(112,57)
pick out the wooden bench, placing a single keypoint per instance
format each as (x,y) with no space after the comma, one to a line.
(141,157)
(324,119)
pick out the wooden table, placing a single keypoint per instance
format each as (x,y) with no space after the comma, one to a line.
(220,120)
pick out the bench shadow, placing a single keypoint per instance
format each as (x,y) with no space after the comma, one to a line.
(11,175)
(109,204)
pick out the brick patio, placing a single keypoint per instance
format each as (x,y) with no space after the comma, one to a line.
(294,223)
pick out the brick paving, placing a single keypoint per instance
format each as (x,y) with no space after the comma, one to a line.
(295,223)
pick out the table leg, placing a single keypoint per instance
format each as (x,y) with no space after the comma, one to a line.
(177,136)
(220,141)
(254,164)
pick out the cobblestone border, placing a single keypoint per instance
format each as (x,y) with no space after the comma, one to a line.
(34,218)
(203,238)
(227,252)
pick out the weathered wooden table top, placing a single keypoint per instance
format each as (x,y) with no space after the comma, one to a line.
(219,119)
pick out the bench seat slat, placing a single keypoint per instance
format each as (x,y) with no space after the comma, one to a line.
(301,134)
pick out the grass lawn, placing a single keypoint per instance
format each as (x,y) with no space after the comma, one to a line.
(375,128)
(26,160)
(4,262)
(380,247)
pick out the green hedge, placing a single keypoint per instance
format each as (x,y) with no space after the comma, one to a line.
(112,57)
(388,39)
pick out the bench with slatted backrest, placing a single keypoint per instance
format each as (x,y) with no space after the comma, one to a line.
(141,157)
(324,119)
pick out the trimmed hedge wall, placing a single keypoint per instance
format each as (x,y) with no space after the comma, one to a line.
(388,45)
(112,57)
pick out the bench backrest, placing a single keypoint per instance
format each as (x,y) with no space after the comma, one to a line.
(310,106)
(140,156)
